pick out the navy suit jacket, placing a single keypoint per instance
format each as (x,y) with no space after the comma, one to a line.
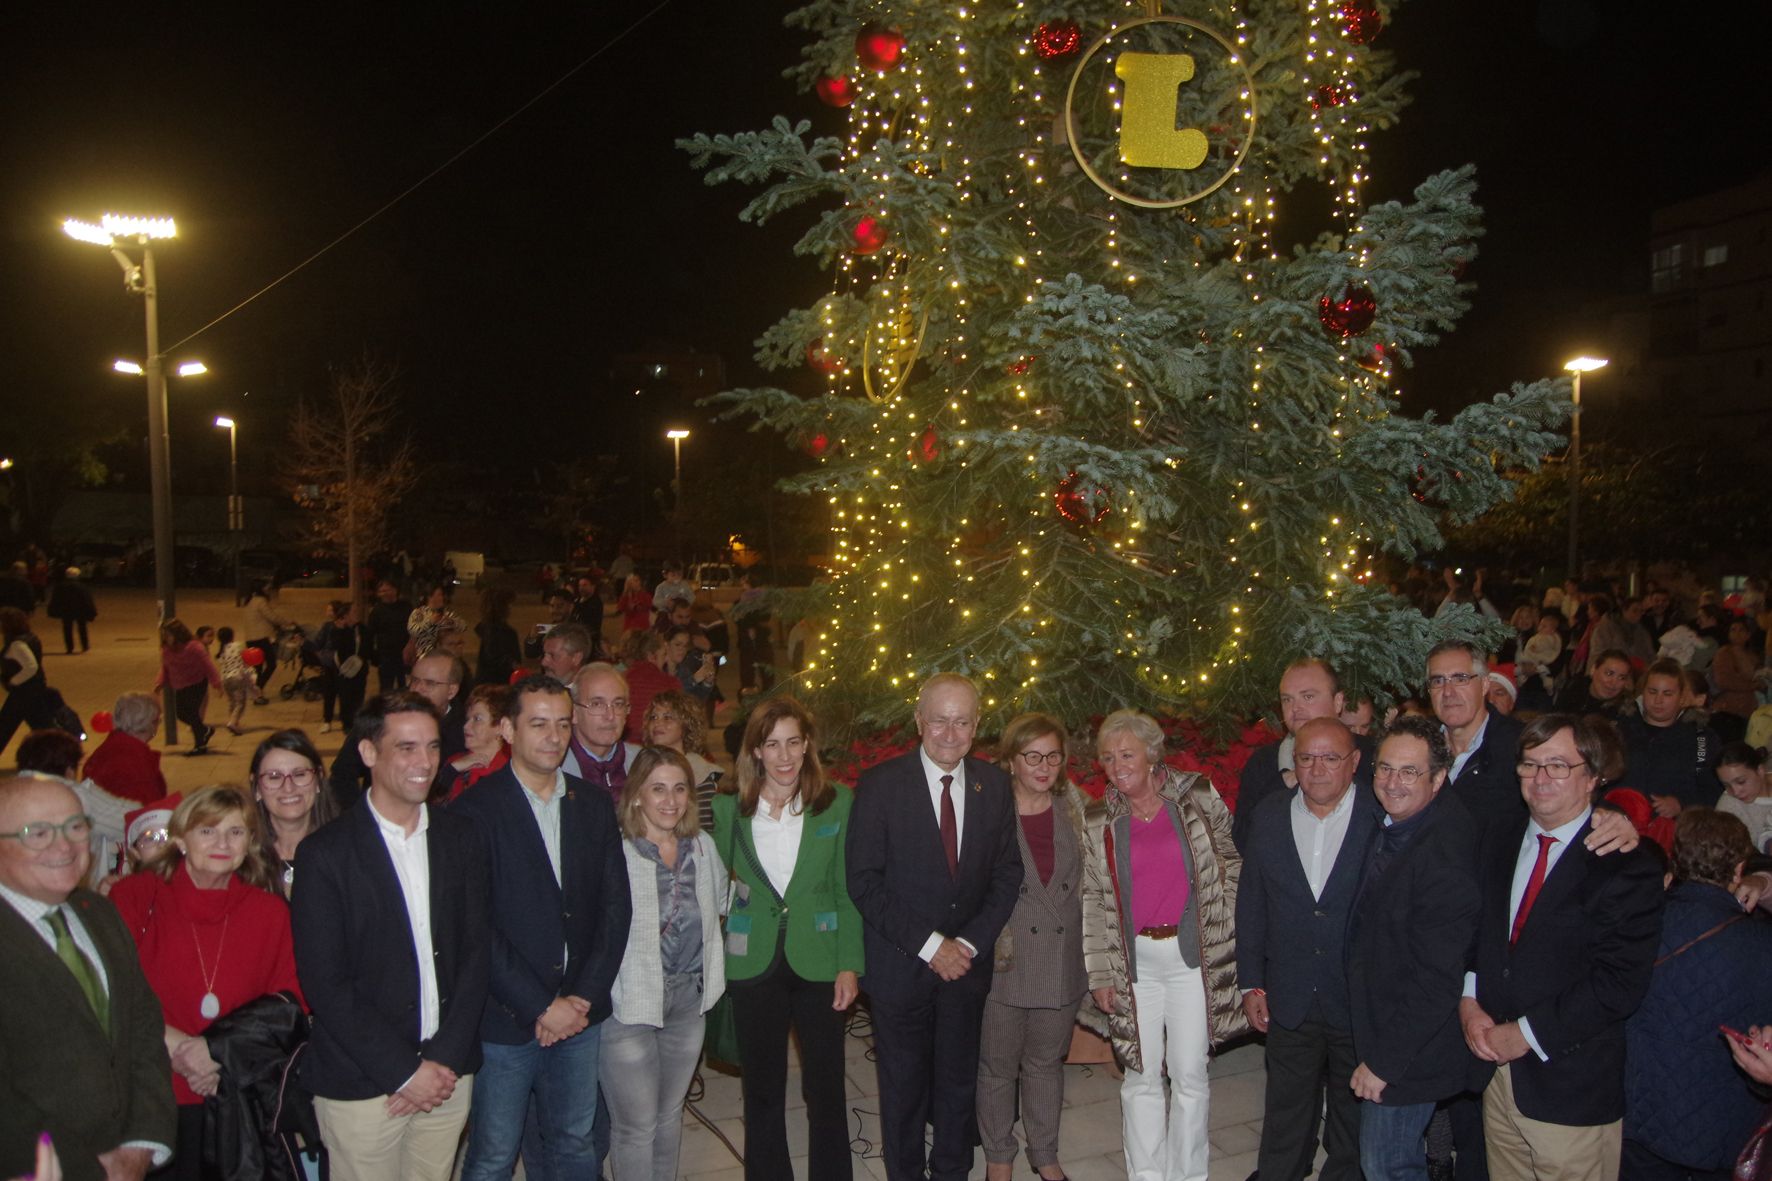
(1487,785)
(586,913)
(358,967)
(1290,942)
(1580,968)
(899,881)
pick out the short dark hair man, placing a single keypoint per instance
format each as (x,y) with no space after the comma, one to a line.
(541,1034)
(1565,945)
(1407,942)
(80,1031)
(393,946)
(1670,760)
(1301,871)
(1309,689)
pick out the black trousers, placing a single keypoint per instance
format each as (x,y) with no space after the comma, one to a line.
(188,708)
(1305,1066)
(1466,1112)
(187,1150)
(926,1055)
(262,674)
(766,1008)
(68,626)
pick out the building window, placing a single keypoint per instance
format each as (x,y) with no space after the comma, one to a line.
(1716,256)
(1664,267)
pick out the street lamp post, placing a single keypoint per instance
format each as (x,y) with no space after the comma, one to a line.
(676,436)
(1577,367)
(114,233)
(236,510)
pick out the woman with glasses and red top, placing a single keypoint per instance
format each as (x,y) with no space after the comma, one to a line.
(288,787)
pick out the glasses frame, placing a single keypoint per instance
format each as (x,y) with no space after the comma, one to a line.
(264,778)
(28,833)
(1521,769)
(1407,776)
(1034,758)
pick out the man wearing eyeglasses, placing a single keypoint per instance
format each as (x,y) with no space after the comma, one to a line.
(80,1030)
(1565,945)
(1301,869)
(597,754)
(1408,938)
(438,679)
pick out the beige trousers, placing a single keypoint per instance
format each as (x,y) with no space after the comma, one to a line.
(1522,1149)
(364,1143)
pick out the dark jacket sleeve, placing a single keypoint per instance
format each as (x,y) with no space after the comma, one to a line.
(153,1114)
(323,961)
(867,847)
(1005,871)
(457,1041)
(1251,912)
(596,976)
(1625,917)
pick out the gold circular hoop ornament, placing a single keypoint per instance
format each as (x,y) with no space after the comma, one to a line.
(905,361)
(1073,131)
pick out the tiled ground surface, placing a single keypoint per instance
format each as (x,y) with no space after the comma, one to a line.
(1089,1140)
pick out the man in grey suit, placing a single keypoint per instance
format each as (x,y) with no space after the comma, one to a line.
(1301,873)
(81,1031)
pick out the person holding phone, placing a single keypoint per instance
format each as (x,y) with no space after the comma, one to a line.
(1686,1109)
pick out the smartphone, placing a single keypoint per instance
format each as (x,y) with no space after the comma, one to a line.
(1737,1035)
(542,629)
(722,659)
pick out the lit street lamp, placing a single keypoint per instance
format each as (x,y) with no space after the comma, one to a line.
(116,234)
(236,510)
(676,436)
(1577,367)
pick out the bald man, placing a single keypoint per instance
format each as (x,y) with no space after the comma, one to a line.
(81,1031)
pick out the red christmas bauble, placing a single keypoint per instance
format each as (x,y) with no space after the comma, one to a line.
(1374,361)
(869,234)
(1361,21)
(1019,366)
(1350,315)
(1327,95)
(1078,505)
(835,91)
(929,446)
(878,48)
(102,722)
(821,360)
(818,444)
(253,656)
(1056,39)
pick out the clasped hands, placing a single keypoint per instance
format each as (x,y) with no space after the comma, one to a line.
(191,1059)
(1500,1044)
(951,960)
(430,1086)
(566,1017)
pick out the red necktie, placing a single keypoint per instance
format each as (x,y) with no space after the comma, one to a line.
(950,828)
(1534,884)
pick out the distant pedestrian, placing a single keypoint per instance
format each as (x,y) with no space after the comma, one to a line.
(71,602)
(15,589)
(262,623)
(387,632)
(236,677)
(187,668)
(29,700)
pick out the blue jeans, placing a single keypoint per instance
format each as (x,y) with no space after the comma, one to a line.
(563,1079)
(1392,1144)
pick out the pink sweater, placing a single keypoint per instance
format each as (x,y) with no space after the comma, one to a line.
(183,667)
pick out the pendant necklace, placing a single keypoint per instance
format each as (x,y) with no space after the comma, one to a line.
(210,1006)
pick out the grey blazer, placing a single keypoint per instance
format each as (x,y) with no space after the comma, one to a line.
(1039,955)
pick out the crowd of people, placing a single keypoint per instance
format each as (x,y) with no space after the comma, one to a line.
(1479,939)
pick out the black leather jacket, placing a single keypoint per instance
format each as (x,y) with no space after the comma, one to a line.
(249,1122)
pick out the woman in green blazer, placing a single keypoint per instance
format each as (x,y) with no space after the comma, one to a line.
(793,938)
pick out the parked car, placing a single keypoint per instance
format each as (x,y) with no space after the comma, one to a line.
(101,561)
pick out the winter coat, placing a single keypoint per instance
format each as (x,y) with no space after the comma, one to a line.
(1215,866)
(255,1047)
(71,600)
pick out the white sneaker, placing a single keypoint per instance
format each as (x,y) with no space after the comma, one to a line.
(326,728)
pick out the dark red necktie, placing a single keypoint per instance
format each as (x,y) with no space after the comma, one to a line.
(1534,884)
(950,828)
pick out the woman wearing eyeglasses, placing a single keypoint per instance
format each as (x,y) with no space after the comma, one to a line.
(1039,979)
(288,787)
(1159,899)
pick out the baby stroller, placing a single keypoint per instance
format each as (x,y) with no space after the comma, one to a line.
(296,650)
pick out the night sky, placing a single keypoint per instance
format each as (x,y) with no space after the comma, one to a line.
(504,286)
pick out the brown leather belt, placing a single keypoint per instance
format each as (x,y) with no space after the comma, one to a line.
(1167,931)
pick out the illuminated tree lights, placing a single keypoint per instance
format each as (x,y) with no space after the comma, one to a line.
(1095,453)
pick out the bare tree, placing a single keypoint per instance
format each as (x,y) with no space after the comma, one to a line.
(344,464)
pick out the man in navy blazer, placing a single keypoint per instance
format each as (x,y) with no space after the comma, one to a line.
(560,913)
(935,870)
(1301,869)
(392,944)
(1566,941)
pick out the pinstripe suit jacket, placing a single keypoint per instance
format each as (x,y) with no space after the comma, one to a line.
(1039,955)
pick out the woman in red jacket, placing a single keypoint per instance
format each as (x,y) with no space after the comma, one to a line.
(186,666)
(211,935)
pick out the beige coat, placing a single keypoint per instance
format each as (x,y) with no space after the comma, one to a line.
(1196,810)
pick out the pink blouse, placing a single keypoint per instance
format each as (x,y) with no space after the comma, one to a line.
(1159,873)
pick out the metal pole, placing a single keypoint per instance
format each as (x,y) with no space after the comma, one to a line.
(1573,566)
(160,473)
(677,493)
(236,510)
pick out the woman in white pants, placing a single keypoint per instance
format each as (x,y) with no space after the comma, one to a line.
(673,971)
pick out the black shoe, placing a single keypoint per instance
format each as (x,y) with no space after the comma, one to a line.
(261,699)
(1255,1176)
(1439,1170)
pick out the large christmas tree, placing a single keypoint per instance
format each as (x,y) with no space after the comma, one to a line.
(1089,432)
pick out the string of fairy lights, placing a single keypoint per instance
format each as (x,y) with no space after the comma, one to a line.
(892,575)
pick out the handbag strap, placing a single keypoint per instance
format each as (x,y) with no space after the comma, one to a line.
(1691,943)
(747,847)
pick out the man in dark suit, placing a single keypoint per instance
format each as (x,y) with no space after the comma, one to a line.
(392,944)
(1309,689)
(1564,949)
(1482,738)
(934,870)
(1301,868)
(560,914)
(1408,940)
(80,1030)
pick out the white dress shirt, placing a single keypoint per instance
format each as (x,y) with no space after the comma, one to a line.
(1319,840)
(412,865)
(547,818)
(778,840)
(1459,760)
(956,790)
